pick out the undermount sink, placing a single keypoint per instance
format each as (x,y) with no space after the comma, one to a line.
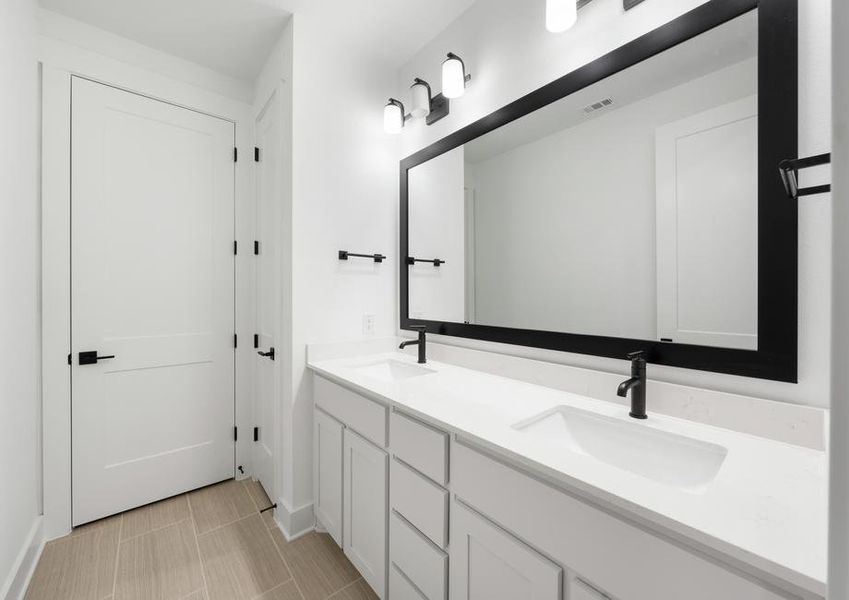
(392,370)
(664,457)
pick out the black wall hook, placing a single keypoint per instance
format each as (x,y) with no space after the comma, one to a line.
(789,171)
(344,255)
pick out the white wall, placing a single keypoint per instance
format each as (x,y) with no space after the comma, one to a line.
(344,197)
(838,569)
(509,53)
(437,212)
(20,460)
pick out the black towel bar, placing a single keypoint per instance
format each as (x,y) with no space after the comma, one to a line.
(436,261)
(789,171)
(344,255)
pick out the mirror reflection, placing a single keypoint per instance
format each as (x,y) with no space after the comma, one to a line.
(627,209)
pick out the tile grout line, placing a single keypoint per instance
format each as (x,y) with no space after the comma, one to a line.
(345,587)
(135,537)
(197,547)
(285,562)
(117,559)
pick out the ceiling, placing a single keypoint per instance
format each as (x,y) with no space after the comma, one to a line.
(235,36)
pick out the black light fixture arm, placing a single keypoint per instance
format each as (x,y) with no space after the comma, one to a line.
(789,171)
(436,261)
(344,255)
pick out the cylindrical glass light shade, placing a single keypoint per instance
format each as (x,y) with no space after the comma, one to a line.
(560,15)
(393,116)
(420,92)
(453,77)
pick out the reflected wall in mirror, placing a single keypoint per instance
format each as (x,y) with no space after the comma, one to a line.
(626,209)
(625,206)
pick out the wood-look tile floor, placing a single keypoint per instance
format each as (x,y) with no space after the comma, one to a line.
(210,544)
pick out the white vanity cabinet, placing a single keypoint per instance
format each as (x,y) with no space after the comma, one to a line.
(428,515)
(351,477)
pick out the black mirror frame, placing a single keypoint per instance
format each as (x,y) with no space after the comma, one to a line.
(776,356)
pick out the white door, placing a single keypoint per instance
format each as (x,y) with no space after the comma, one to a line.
(707,211)
(327,473)
(366,506)
(152,203)
(487,563)
(269,193)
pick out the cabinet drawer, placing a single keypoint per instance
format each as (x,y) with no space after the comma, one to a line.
(424,564)
(420,501)
(400,587)
(366,417)
(420,446)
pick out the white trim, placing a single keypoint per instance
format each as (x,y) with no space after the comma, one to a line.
(60,60)
(17,582)
(294,522)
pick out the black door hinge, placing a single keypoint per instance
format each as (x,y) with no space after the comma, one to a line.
(256,154)
(256,434)
(69,356)
(235,340)
(235,434)
(256,248)
(256,343)
(235,155)
(235,247)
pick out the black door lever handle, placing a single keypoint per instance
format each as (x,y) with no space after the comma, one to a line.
(91,357)
(269,354)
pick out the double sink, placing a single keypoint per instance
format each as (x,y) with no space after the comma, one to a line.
(668,458)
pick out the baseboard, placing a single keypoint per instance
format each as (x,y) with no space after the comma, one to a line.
(19,577)
(294,523)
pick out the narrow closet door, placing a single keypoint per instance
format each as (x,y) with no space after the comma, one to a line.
(269,228)
(152,203)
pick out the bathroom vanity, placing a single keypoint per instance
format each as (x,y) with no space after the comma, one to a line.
(437,480)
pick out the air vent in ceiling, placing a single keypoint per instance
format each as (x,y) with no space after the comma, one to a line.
(598,105)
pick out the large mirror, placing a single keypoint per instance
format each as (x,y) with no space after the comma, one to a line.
(628,210)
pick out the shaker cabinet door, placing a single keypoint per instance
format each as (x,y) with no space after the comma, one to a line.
(487,563)
(327,478)
(366,505)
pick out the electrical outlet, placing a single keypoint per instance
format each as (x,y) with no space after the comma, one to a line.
(368,324)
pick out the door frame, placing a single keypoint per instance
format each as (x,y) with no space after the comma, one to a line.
(60,62)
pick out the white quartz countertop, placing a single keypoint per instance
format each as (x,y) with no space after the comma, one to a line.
(766,508)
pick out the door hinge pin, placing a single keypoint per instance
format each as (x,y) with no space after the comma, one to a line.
(256,340)
(235,434)
(235,340)
(256,154)
(256,434)
(256,247)
(235,247)
(235,155)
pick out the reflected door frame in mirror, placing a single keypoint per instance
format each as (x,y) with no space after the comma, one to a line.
(776,354)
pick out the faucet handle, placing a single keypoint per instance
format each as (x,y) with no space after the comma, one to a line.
(638,355)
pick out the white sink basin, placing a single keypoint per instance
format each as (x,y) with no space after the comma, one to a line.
(392,370)
(664,457)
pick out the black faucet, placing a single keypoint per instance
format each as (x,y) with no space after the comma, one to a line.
(419,342)
(636,385)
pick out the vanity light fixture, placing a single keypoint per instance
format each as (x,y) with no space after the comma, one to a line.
(421,98)
(454,76)
(560,15)
(423,103)
(393,116)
